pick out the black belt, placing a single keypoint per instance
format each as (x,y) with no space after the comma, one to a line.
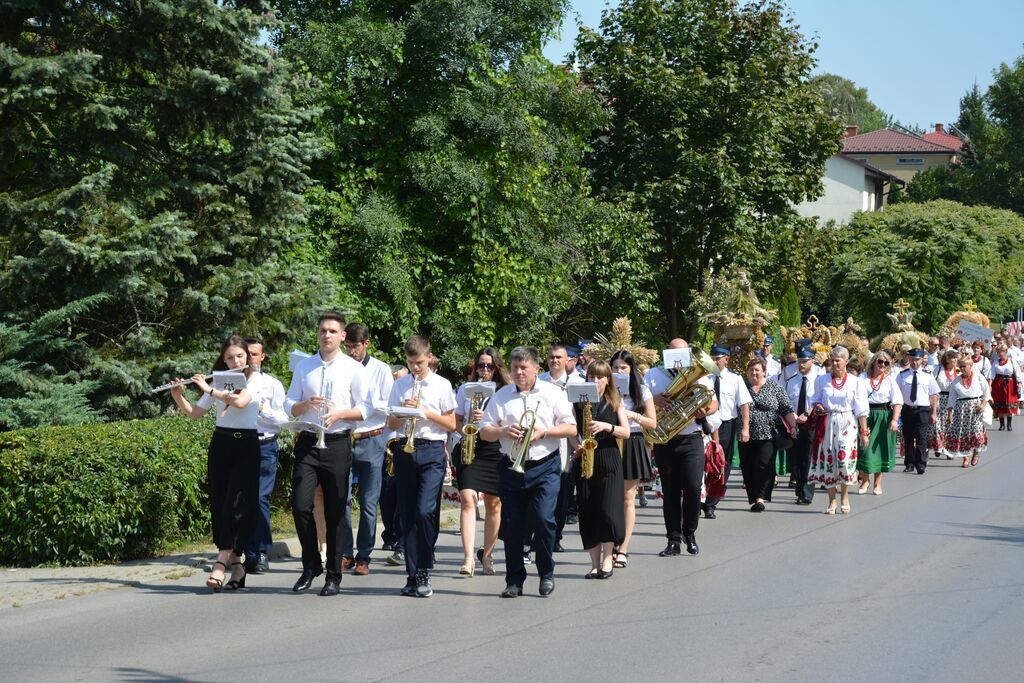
(534,463)
(943,393)
(333,436)
(970,398)
(880,406)
(237,433)
(267,438)
(918,408)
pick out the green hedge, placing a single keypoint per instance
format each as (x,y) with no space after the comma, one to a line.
(102,492)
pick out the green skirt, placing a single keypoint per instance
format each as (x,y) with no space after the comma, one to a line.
(880,455)
(782,462)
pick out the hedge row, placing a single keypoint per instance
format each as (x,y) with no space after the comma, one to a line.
(102,492)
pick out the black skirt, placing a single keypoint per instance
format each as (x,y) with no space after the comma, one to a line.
(636,461)
(600,499)
(482,475)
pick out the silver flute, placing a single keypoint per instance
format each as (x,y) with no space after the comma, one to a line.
(183,382)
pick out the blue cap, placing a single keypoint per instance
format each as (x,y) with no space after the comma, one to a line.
(572,351)
(916,353)
(719,350)
(769,339)
(805,354)
(801,343)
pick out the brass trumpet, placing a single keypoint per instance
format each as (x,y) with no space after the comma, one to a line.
(589,444)
(470,430)
(410,424)
(521,446)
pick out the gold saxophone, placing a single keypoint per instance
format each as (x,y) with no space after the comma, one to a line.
(589,444)
(471,429)
(389,458)
(685,398)
(410,424)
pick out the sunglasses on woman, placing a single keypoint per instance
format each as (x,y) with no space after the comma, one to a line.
(485,366)
(882,362)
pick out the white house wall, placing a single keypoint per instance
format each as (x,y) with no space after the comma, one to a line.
(848,189)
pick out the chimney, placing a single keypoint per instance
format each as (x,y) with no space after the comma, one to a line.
(939,128)
(851,131)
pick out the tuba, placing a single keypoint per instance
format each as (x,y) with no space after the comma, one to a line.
(686,397)
(521,446)
(470,430)
(589,444)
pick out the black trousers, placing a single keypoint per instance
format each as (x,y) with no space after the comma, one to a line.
(681,467)
(727,436)
(915,436)
(800,464)
(565,489)
(233,480)
(757,461)
(328,467)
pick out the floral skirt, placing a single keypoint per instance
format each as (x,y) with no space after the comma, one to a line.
(1005,398)
(834,453)
(967,433)
(939,432)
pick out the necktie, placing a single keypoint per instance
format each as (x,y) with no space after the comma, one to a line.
(913,388)
(718,388)
(801,403)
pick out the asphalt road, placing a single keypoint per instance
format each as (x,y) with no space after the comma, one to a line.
(922,584)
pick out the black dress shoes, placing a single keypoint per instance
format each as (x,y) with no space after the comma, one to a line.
(908,468)
(512,591)
(691,545)
(671,550)
(709,513)
(262,565)
(306,580)
(331,587)
(547,587)
(558,548)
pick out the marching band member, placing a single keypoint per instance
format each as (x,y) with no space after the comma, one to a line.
(885,401)
(841,401)
(681,465)
(268,394)
(636,461)
(368,443)
(968,396)
(420,473)
(232,462)
(328,388)
(920,401)
(533,493)
(480,476)
(733,400)
(602,517)
(1005,377)
(800,389)
(561,374)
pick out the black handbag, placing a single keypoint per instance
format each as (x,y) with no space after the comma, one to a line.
(780,436)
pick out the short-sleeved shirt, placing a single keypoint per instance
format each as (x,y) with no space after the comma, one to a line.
(851,396)
(229,416)
(436,395)
(658,381)
(551,408)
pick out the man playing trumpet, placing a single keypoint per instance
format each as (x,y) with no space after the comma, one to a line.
(529,418)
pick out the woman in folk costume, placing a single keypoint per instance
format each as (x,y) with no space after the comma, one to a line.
(841,405)
(968,396)
(885,401)
(945,374)
(1005,377)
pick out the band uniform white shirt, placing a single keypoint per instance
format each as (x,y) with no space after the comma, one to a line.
(549,403)
(562,382)
(658,380)
(793,388)
(349,385)
(229,416)
(377,395)
(436,395)
(734,393)
(926,387)
(852,397)
(268,395)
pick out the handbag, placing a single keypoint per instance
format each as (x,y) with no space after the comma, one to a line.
(986,415)
(780,436)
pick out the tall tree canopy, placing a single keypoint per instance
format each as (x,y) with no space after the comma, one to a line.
(454,201)
(850,103)
(715,131)
(151,170)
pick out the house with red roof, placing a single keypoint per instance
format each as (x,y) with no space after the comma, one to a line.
(899,153)
(849,186)
(940,137)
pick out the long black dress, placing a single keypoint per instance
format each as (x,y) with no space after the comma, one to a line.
(601,512)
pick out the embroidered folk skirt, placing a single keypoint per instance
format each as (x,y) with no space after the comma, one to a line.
(834,453)
(967,433)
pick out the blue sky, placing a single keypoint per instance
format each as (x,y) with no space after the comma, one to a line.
(915,57)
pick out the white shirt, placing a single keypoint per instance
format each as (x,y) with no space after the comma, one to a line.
(852,397)
(734,393)
(983,366)
(231,418)
(378,391)
(887,391)
(349,383)
(793,369)
(658,380)
(1010,369)
(1016,354)
(436,395)
(943,380)
(774,367)
(793,388)
(549,403)
(926,387)
(627,402)
(978,388)
(562,382)
(268,395)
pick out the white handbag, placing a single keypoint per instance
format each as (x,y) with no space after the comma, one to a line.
(986,414)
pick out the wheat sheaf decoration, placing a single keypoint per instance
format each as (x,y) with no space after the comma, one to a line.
(621,339)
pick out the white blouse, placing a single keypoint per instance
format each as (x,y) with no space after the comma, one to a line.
(627,401)
(978,388)
(852,397)
(887,391)
(942,379)
(231,418)
(1009,369)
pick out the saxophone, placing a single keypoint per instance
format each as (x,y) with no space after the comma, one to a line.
(410,424)
(589,444)
(470,430)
